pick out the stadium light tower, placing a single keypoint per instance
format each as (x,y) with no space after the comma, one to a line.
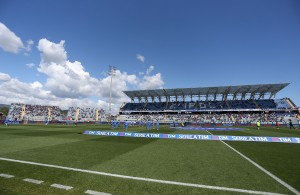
(111,72)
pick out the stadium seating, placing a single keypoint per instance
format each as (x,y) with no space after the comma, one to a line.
(219,118)
(15,112)
(27,112)
(230,111)
(200,105)
(86,114)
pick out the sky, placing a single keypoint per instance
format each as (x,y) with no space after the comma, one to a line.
(59,52)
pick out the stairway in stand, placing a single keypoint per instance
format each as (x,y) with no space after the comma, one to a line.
(256,104)
(145,106)
(291,103)
(227,103)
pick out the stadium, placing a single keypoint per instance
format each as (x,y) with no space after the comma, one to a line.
(150,97)
(203,140)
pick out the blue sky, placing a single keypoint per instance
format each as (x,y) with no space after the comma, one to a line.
(58,52)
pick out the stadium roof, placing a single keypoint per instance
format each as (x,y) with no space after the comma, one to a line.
(237,92)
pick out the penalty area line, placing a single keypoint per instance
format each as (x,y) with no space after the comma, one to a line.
(262,169)
(142,179)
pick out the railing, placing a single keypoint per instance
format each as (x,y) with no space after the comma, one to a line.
(291,103)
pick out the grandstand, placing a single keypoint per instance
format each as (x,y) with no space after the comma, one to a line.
(244,104)
(241,104)
(86,114)
(40,113)
(27,112)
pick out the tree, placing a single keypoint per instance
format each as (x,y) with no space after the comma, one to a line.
(4,110)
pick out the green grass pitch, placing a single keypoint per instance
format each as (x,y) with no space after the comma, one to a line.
(208,163)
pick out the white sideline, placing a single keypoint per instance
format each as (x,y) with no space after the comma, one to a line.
(91,192)
(33,181)
(55,185)
(262,169)
(6,175)
(143,179)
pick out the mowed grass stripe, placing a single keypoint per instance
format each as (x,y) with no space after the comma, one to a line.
(187,161)
(137,178)
(262,169)
(83,181)
(279,158)
(28,143)
(153,161)
(81,154)
(190,161)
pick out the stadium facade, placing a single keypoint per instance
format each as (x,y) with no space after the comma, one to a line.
(242,104)
(216,99)
(225,104)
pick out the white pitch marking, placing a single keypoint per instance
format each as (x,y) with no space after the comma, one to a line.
(61,186)
(6,175)
(33,181)
(91,192)
(262,169)
(144,179)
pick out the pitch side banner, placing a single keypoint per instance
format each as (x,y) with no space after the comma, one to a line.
(295,140)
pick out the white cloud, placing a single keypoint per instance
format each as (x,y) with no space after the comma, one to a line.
(4,77)
(29,45)
(151,82)
(140,58)
(9,41)
(30,65)
(36,84)
(14,90)
(119,84)
(149,70)
(52,52)
(69,84)
(66,79)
